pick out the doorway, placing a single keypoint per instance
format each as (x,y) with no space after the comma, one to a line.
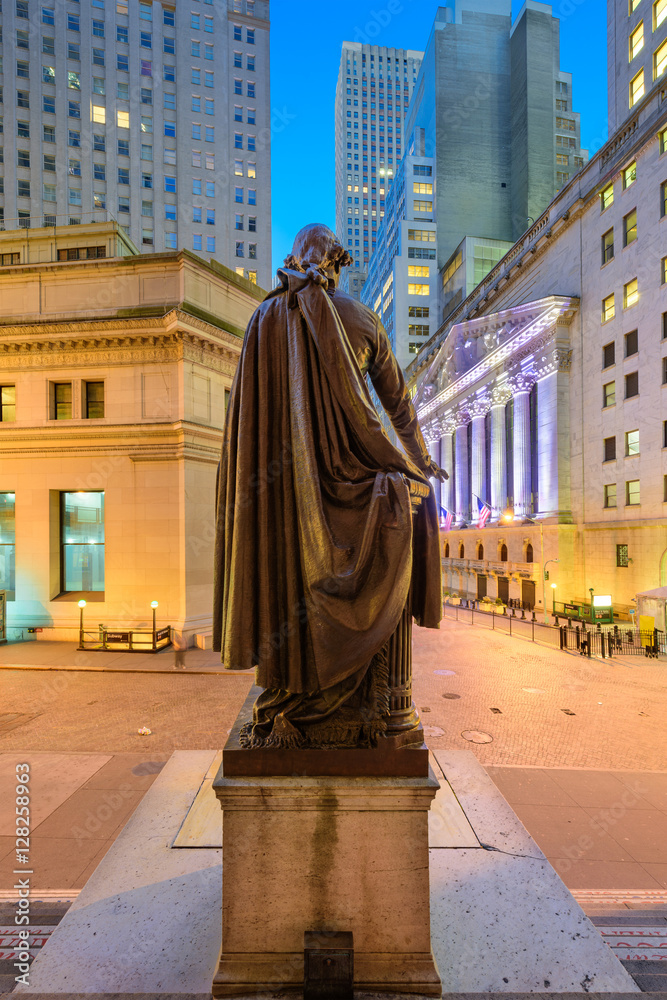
(503,589)
(481,586)
(528,594)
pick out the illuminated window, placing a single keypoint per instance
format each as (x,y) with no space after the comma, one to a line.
(421,188)
(422,206)
(659,13)
(609,394)
(7,538)
(419,289)
(663,274)
(606,197)
(637,88)
(636,41)
(632,5)
(418,271)
(82,542)
(631,443)
(631,492)
(630,294)
(607,246)
(94,400)
(608,308)
(630,227)
(610,495)
(660,61)
(629,175)
(7,402)
(99,114)
(421,235)
(252,169)
(123,119)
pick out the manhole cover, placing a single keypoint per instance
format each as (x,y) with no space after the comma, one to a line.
(149,767)
(452,696)
(433,731)
(476,736)
(533,690)
(445,673)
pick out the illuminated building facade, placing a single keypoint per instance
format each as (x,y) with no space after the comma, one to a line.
(115,368)
(157,113)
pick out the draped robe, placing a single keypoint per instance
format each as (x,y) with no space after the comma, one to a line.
(315,543)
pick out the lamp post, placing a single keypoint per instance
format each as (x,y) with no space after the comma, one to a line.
(82,605)
(154,605)
(590,591)
(553,598)
(545,577)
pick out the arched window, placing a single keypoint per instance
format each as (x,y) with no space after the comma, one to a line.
(503,553)
(462,550)
(529,552)
(480,551)
(446,550)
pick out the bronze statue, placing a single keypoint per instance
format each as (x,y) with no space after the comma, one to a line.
(316,552)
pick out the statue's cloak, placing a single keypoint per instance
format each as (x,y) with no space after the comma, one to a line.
(315,549)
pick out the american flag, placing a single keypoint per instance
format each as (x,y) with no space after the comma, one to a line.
(446,518)
(484,513)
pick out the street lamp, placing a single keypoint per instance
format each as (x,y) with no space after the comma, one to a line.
(154,605)
(82,605)
(553,597)
(590,591)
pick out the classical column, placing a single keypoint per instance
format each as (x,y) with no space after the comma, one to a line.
(521,386)
(478,411)
(461,460)
(498,490)
(447,462)
(553,432)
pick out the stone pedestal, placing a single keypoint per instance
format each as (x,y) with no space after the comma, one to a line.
(325,854)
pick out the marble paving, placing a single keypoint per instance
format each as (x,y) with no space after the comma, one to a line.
(502,921)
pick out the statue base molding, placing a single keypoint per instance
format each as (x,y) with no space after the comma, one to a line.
(401,753)
(325,854)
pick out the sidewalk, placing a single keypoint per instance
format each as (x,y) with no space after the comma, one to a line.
(49,654)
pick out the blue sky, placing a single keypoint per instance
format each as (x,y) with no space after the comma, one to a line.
(305,51)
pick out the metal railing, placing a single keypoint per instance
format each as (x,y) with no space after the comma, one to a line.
(133,640)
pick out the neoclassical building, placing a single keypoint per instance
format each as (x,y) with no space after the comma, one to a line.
(115,368)
(545,392)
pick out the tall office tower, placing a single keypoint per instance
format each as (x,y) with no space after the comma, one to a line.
(636,54)
(375,85)
(151,112)
(494,104)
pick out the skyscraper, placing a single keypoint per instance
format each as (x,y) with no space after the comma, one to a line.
(375,85)
(636,54)
(153,113)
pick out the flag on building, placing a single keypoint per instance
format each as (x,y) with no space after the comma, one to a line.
(446,518)
(484,513)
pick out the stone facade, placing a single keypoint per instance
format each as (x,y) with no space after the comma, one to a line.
(575,313)
(162,334)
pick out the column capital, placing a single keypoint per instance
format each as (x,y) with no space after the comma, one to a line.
(461,418)
(559,360)
(521,383)
(500,394)
(479,407)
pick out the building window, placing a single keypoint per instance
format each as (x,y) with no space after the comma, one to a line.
(122,34)
(82,542)
(7,543)
(196,241)
(609,449)
(631,343)
(170,241)
(664,371)
(631,443)
(61,400)
(659,13)
(663,270)
(637,88)
(660,61)
(210,244)
(606,198)
(621,555)
(609,394)
(608,308)
(630,294)
(610,495)
(607,246)
(147,237)
(123,63)
(636,41)
(99,143)
(630,227)
(123,119)
(8,392)
(147,209)
(252,251)
(631,492)
(94,400)
(664,434)
(418,271)
(22,158)
(608,355)
(631,385)
(252,224)
(414,289)
(422,206)
(240,250)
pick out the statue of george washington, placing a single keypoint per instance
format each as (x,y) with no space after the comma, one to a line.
(316,551)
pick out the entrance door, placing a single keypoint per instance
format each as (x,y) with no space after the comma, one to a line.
(503,589)
(481,586)
(528,594)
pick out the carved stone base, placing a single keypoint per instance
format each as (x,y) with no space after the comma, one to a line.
(325,854)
